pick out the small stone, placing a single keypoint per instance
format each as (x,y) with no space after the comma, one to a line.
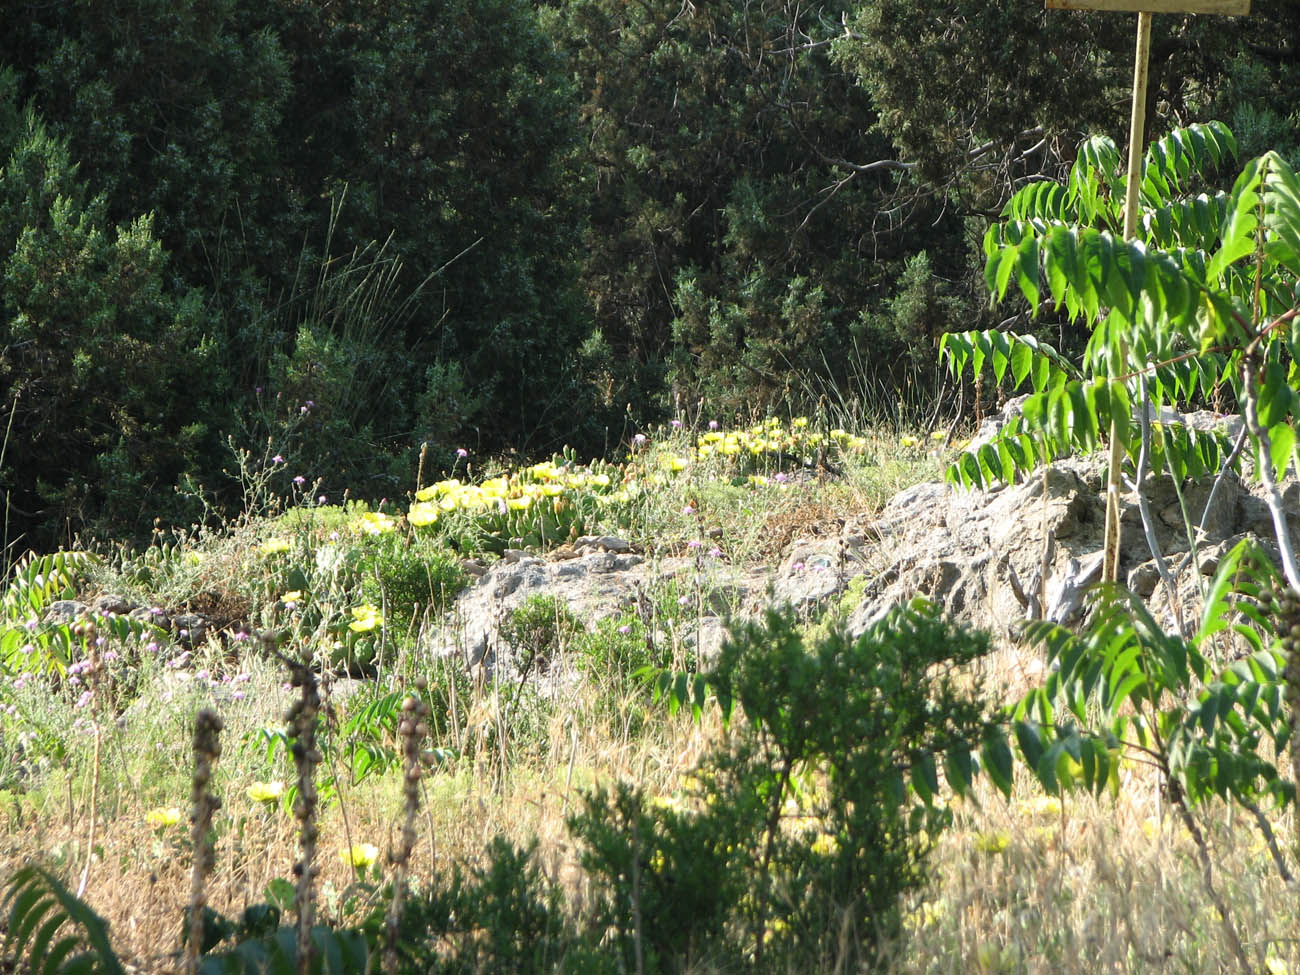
(114,603)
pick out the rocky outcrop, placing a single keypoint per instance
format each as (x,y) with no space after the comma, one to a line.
(1031,549)
(991,558)
(598,578)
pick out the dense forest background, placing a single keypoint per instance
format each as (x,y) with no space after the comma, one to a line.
(331,231)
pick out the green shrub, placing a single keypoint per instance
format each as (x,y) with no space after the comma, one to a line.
(110,370)
(672,880)
(504,917)
(540,630)
(799,834)
(409,578)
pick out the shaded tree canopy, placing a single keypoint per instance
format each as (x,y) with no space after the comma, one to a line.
(513,225)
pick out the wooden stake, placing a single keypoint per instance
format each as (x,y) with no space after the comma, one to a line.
(1132,206)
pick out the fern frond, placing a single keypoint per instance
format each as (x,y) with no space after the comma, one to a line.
(40,908)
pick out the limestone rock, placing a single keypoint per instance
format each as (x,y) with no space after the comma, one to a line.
(600,582)
(991,558)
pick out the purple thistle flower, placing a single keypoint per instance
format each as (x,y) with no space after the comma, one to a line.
(300,480)
(277,459)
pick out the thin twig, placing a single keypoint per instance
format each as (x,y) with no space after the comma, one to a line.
(1228,463)
(1148,524)
(1270,839)
(1267,475)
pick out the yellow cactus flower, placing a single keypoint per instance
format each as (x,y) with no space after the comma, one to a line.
(273,545)
(673,803)
(360,855)
(907,441)
(163,816)
(992,842)
(1041,806)
(267,792)
(365,618)
(545,471)
(375,523)
(422,513)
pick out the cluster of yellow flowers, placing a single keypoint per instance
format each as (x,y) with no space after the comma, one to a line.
(365,618)
(771,437)
(510,492)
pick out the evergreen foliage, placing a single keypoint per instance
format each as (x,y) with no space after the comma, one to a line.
(512,225)
(113,380)
(737,246)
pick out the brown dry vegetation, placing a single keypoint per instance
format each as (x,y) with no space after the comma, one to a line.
(1089,884)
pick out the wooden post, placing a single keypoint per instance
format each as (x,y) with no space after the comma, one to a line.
(1137,124)
(1136,129)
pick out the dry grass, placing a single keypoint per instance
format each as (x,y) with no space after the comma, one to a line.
(1099,885)
(1105,884)
(139,875)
